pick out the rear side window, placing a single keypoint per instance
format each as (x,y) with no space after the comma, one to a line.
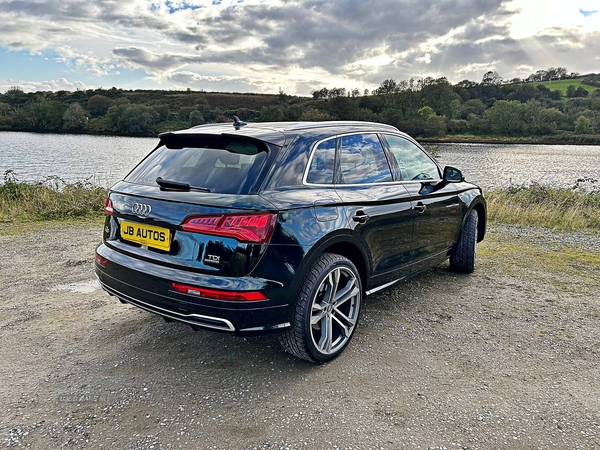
(322,163)
(362,160)
(222,165)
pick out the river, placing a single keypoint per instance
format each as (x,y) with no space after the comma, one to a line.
(105,159)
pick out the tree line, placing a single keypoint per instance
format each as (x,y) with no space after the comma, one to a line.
(427,108)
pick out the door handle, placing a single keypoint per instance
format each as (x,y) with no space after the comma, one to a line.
(360,217)
(420,207)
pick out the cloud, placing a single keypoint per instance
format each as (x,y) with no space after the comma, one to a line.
(262,45)
(61,84)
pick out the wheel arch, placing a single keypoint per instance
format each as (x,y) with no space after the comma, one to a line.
(481,209)
(344,244)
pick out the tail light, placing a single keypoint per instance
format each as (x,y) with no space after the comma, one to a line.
(253,228)
(108,207)
(213,294)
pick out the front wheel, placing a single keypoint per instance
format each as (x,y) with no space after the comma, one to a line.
(326,310)
(463,259)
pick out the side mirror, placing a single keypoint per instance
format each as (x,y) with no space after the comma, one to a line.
(453,175)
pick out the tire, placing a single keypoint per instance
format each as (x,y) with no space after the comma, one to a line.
(317,311)
(463,259)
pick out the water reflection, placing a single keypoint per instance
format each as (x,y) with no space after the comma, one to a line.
(101,159)
(500,165)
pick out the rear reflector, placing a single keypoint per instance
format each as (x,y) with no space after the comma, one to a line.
(100,260)
(213,294)
(108,207)
(254,228)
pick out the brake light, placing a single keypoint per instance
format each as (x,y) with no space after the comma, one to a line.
(108,207)
(254,228)
(213,294)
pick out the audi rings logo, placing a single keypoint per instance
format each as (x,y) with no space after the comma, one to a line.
(141,209)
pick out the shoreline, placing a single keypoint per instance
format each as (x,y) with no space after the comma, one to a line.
(591,140)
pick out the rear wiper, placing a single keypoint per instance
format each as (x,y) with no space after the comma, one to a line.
(170,185)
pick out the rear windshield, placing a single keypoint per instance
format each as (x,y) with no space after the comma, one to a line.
(221,164)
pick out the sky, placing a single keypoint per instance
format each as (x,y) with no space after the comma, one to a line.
(294,46)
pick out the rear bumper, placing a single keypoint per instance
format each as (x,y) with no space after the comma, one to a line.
(146,285)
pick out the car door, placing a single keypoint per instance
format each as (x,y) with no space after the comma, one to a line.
(377,207)
(436,203)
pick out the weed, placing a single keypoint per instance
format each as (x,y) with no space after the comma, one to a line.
(50,199)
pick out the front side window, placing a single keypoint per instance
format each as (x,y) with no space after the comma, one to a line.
(413,162)
(362,160)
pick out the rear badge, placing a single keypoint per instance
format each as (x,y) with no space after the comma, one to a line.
(212,259)
(141,209)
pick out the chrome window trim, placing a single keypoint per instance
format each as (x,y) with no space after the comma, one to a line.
(382,183)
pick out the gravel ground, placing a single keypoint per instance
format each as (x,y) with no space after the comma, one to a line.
(504,358)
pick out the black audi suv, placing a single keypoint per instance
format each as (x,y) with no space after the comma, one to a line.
(283,227)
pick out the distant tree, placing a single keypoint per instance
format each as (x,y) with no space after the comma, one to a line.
(315,115)
(580,92)
(196,118)
(439,95)
(388,86)
(46,115)
(320,94)
(98,105)
(336,92)
(295,111)
(74,118)
(505,117)
(272,114)
(524,93)
(132,119)
(433,125)
(583,126)
(540,120)
(185,111)
(4,109)
(163,112)
(491,78)
(474,106)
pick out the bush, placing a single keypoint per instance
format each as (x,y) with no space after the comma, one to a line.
(557,208)
(50,199)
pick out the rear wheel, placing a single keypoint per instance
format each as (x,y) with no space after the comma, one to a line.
(463,259)
(326,310)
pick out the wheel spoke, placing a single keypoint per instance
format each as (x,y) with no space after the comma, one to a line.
(345,323)
(317,314)
(349,291)
(326,334)
(333,279)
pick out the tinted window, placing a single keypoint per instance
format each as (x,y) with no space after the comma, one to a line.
(322,164)
(222,165)
(362,160)
(413,162)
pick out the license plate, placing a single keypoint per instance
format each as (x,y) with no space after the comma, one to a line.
(149,235)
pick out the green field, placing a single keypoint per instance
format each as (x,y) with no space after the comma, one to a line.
(562,85)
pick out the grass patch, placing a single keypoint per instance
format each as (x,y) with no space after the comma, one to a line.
(51,199)
(556,266)
(563,85)
(556,208)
